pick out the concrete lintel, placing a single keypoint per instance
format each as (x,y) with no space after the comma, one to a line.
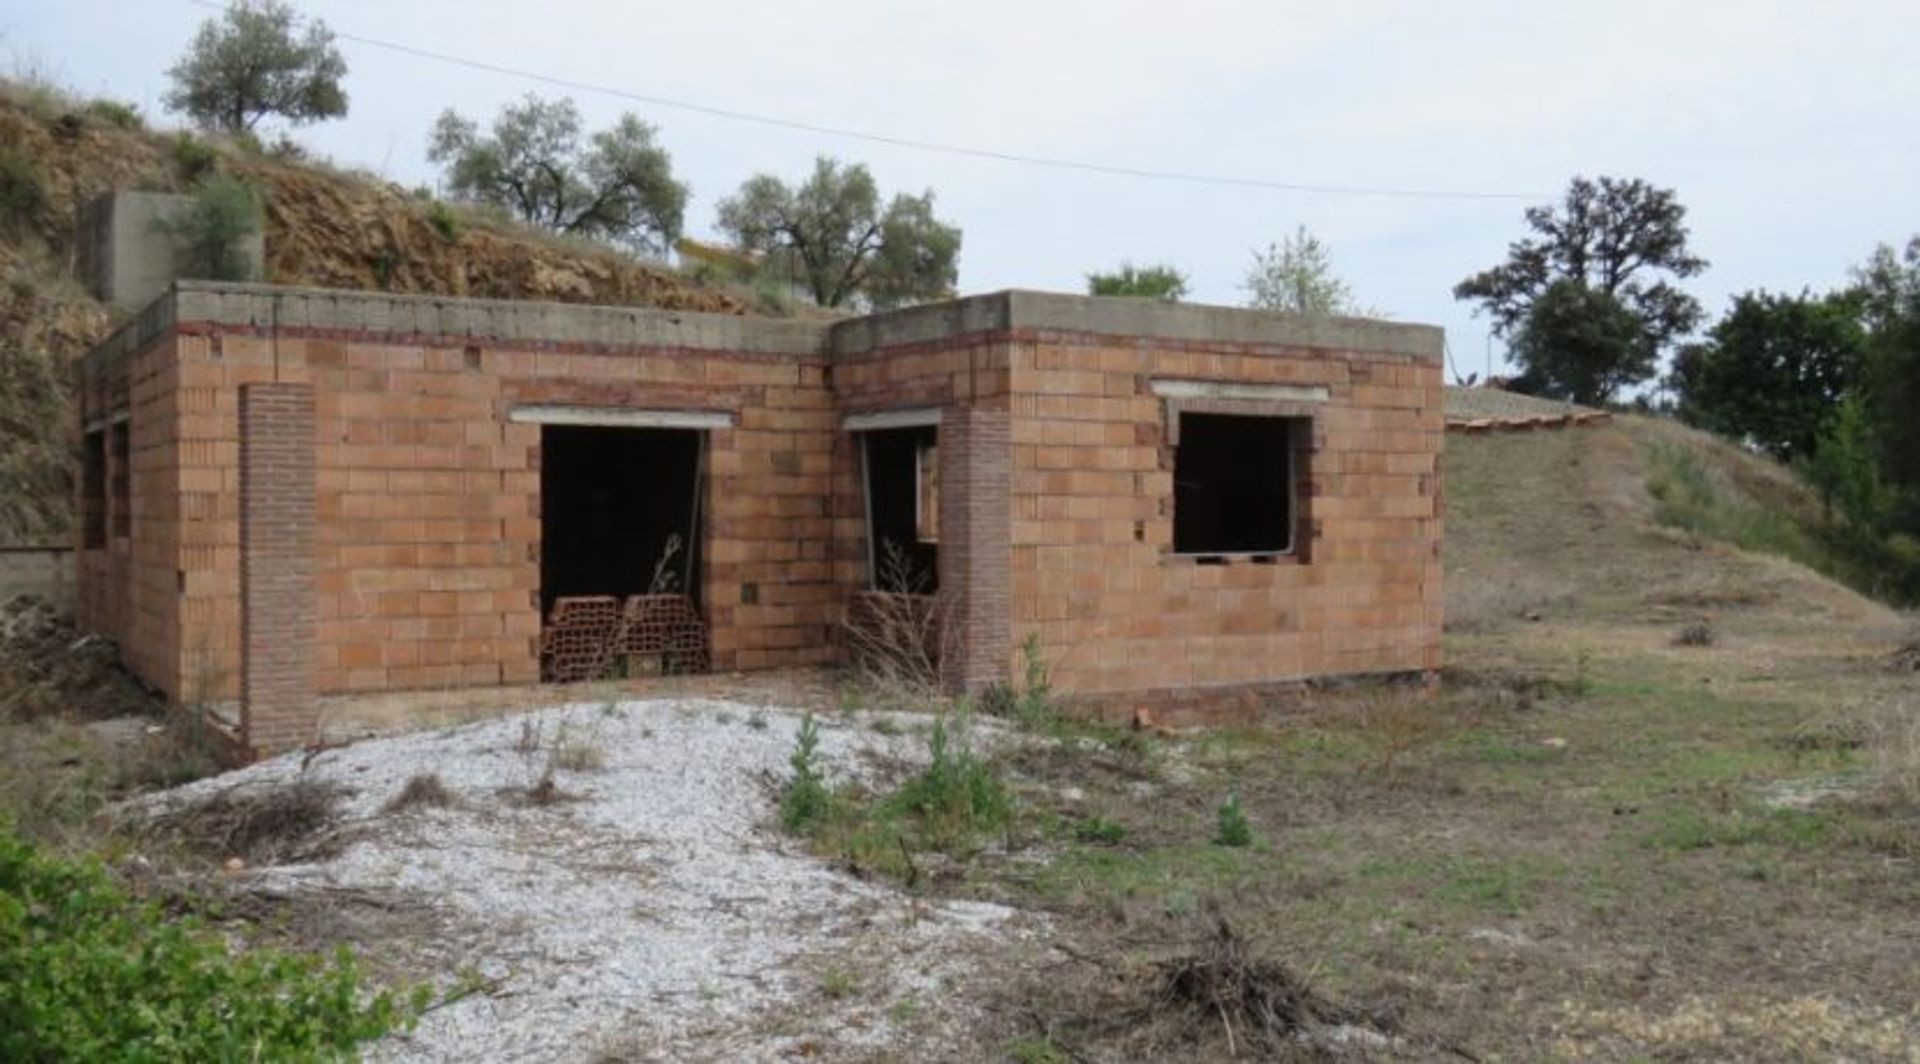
(917,417)
(268,306)
(621,417)
(1269,393)
(1149,319)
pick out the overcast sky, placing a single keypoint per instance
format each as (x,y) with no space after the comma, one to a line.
(1789,130)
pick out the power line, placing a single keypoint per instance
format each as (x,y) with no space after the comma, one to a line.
(922,145)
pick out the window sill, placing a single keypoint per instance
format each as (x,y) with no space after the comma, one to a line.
(1264,557)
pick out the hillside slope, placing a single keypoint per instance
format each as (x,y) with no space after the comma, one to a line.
(323,227)
(1639,518)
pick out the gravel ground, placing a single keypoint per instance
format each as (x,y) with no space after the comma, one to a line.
(652,912)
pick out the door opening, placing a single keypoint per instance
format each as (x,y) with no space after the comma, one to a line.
(620,515)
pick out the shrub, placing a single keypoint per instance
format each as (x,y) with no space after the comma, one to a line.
(444,222)
(1233,829)
(116,114)
(805,800)
(193,157)
(87,973)
(207,233)
(22,194)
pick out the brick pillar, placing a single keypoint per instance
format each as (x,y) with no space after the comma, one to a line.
(279,708)
(976,545)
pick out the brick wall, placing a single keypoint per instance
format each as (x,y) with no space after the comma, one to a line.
(1094,576)
(975,549)
(427,545)
(426,495)
(277,696)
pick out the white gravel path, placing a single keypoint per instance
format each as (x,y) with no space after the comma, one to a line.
(659,916)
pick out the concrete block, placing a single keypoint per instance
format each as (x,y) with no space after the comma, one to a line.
(123,254)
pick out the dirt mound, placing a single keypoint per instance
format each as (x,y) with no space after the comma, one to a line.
(49,668)
(1566,524)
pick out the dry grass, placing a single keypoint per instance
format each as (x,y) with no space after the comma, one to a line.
(578,750)
(1893,739)
(423,790)
(1697,634)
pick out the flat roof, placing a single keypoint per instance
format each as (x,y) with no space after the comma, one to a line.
(267,307)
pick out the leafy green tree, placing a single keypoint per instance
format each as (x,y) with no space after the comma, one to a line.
(1147,282)
(1580,344)
(831,234)
(1890,374)
(1296,276)
(1621,238)
(617,185)
(1773,370)
(255,61)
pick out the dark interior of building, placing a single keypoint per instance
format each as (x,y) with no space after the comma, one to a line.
(901,508)
(619,511)
(1233,485)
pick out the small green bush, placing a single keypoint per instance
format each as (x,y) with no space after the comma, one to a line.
(805,801)
(444,221)
(225,210)
(1233,829)
(87,973)
(23,196)
(193,157)
(116,114)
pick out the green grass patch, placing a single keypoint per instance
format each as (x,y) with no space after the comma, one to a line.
(1508,884)
(1686,495)
(1174,878)
(1684,830)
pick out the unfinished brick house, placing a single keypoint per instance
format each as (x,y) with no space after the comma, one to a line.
(293,494)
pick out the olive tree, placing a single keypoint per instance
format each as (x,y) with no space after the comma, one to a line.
(615,185)
(834,237)
(254,61)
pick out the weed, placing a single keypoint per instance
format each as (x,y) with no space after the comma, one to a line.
(1036,1050)
(1232,828)
(423,789)
(444,221)
(22,194)
(529,738)
(903,1011)
(884,725)
(805,801)
(838,984)
(1099,830)
(192,157)
(957,795)
(576,750)
(545,792)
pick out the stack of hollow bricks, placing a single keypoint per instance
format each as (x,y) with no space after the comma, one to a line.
(1055,513)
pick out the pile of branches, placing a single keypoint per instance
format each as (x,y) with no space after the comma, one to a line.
(1258,1005)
